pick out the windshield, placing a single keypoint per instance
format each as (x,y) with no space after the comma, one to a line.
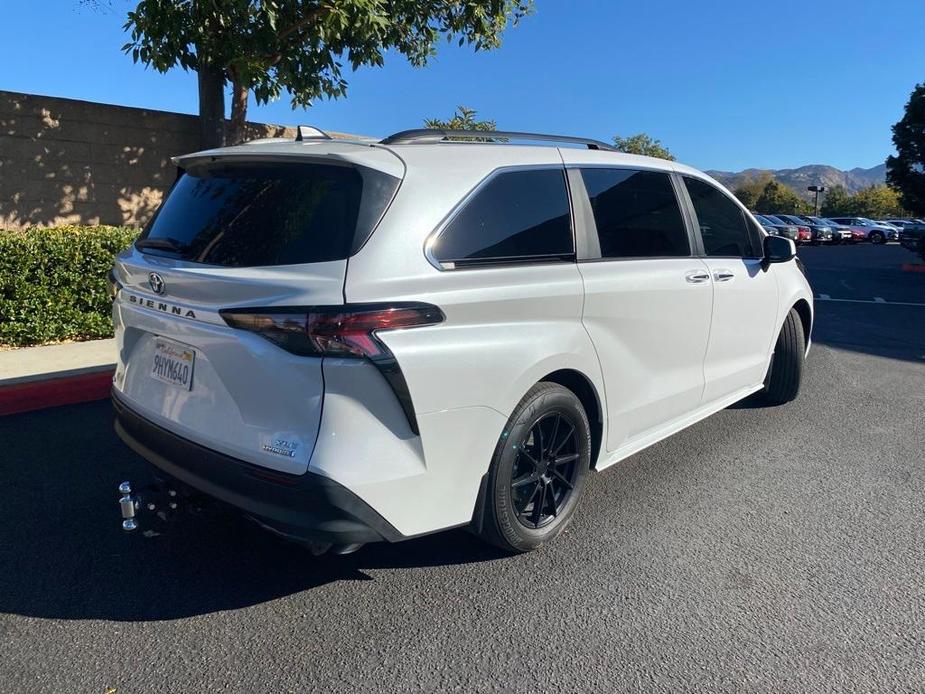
(240,215)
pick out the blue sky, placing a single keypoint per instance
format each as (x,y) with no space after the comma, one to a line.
(723,85)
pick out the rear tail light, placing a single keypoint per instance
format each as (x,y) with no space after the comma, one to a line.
(350,331)
(341,331)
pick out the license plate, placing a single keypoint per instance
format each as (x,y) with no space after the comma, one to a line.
(173,363)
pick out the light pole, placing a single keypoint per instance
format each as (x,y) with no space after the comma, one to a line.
(816,190)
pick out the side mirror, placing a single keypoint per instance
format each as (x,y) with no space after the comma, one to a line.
(778,249)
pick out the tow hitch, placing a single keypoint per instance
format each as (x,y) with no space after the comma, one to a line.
(157,501)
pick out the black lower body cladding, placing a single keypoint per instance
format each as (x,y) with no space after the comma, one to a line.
(305,507)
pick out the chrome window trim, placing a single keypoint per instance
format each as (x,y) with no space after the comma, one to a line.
(432,237)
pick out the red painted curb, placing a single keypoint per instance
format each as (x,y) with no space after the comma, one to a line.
(913,267)
(37,395)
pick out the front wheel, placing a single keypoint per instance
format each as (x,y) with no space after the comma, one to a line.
(538,470)
(877,237)
(782,384)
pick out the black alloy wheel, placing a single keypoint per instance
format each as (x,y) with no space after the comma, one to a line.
(545,470)
(538,471)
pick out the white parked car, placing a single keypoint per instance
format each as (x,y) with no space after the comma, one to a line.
(354,341)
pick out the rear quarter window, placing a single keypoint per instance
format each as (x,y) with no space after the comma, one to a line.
(514,216)
(270,214)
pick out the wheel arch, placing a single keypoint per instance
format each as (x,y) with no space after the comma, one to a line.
(587,394)
(801,306)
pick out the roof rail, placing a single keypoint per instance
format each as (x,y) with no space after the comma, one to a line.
(310,132)
(432,135)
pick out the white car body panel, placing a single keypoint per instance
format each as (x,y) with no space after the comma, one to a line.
(743,327)
(658,352)
(650,328)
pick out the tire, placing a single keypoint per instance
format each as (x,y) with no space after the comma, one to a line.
(510,520)
(782,384)
(877,237)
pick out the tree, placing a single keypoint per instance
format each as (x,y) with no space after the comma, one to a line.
(777,198)
(267,46)
(767,195)
(837,202)
(642,144)
(877,202)
(906,171)
(463,119)
(748,192)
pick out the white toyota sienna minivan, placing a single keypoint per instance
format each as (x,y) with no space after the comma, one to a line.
(355,341)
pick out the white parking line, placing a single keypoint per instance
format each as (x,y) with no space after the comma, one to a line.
(876,300)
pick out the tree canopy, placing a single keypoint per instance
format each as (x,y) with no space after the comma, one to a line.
(750,190)
(643,144)
(876,202)
(906,171)
(764,194)
(463,119)
(266,47)
(835,202)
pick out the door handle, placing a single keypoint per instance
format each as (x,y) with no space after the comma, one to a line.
(723,275)
(697,277)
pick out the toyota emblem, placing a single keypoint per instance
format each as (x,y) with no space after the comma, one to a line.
(156,282)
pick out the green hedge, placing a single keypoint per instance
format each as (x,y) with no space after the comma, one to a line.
(53,282)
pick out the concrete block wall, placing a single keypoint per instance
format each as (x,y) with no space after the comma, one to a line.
(64,161)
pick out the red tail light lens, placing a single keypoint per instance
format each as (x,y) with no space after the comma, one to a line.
(345,331)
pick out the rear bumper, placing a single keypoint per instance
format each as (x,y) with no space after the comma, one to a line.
(303,507)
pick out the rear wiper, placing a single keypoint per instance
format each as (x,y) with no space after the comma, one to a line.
(165,243)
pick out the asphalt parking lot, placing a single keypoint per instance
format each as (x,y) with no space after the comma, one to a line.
(760,550)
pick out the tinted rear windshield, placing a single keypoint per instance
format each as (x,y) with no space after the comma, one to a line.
(269,214)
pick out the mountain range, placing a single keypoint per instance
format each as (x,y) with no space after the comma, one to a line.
(814,174)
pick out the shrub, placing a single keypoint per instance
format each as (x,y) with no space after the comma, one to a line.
(54,285)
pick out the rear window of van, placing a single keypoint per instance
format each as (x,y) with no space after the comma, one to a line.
(241,215)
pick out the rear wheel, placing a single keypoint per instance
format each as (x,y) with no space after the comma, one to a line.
(538,470)
(782,383)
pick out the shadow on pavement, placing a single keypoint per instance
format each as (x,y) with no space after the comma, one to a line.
(854,277)
(65,556)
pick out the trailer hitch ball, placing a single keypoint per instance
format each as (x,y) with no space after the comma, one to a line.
(128,504)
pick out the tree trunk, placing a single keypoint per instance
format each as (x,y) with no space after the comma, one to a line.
(211,107)
(238,113)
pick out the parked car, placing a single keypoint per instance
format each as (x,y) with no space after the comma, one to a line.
(767,225)
(913,239)
(863,229)
(840,232)
(902,224)
(351,341)
(897,229)
(820,233)
(789,231)
(804,233)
